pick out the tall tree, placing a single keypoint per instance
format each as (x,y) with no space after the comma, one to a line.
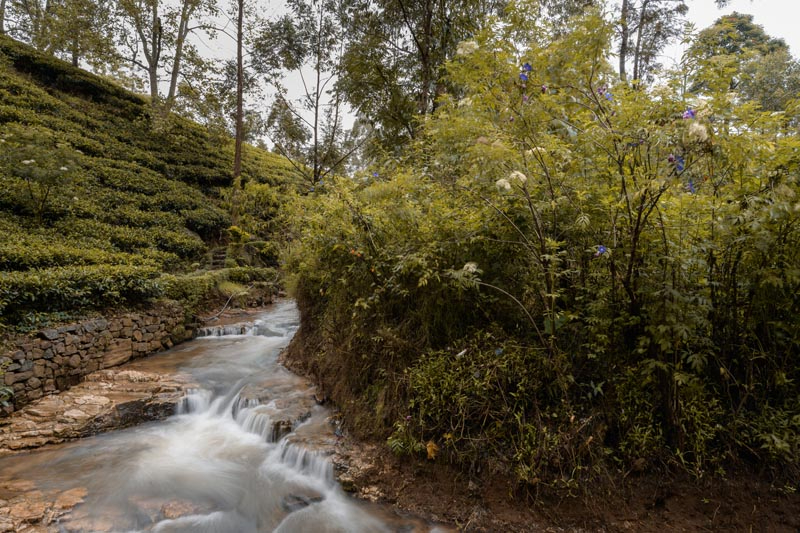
(239,137)
(72,29)
(756,65)
(645,27)
(159,31)
(308,43)
(395,54)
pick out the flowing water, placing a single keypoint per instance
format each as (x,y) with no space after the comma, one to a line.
(242,453)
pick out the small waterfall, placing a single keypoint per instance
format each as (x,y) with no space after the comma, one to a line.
(246,329)
(224,463)
(307,462)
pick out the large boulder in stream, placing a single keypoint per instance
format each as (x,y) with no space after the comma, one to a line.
(108,399)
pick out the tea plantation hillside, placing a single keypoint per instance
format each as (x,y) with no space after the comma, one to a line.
(106,203)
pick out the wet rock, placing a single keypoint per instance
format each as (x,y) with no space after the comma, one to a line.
(70,498)
(295,502)
(27,512)
(107,399)
(178,508)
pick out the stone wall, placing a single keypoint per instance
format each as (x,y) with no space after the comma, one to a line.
(55,359)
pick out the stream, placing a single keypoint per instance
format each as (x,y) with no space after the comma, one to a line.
(246,451)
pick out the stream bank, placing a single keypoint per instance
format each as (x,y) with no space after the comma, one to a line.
(247,449)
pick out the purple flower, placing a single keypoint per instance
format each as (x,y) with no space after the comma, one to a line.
(689,113)
(679,163)
(690,187)
(544,89)
(523,76)
(524,97)
(375,174)
(527,67)
(600,251)
(671,158)
(609,97)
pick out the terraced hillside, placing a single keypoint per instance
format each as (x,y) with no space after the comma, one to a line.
(103,202)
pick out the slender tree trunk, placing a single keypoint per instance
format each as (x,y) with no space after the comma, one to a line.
(637,55)
(2,17)
(317,171)
(237,154)
(154,56)
(183,31)
(623,42)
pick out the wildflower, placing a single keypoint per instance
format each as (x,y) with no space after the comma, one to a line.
(527,67)
(503,184)
(544,89)
(689,113)
(63,169)
(375,174)
(523,76)
(470,267)
(609,97)
(524,97)
(679,163)
(466,48)
(518,176)
(408,417)
(600,251)
(690,187)
(698,132)
(28,161)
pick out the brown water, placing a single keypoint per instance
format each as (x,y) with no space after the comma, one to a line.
(244,453)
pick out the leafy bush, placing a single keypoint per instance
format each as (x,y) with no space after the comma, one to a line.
(640,244)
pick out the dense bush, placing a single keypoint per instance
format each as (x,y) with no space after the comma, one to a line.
(632,252)
(91,286)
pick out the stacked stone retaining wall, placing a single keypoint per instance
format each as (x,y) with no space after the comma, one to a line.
(54,359)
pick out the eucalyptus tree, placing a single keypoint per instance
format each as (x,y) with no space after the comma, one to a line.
(306,43)
(77,30)
(156,38)
(395,55)
(757,66)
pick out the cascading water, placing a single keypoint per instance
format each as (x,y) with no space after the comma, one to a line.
(239,456)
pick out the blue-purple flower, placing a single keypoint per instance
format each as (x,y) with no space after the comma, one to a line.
(527,67)
(678,161)
(689,113)
(690,187)
(375,174)
(523,76)
(600,251)
(609,97)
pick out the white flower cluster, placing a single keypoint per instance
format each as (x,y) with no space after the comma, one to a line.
(503,184)
(518,176)
(466,47)
(697,132)
(470,268)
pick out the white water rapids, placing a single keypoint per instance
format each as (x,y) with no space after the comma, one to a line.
(239,456)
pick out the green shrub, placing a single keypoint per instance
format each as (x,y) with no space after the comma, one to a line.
(91,286)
